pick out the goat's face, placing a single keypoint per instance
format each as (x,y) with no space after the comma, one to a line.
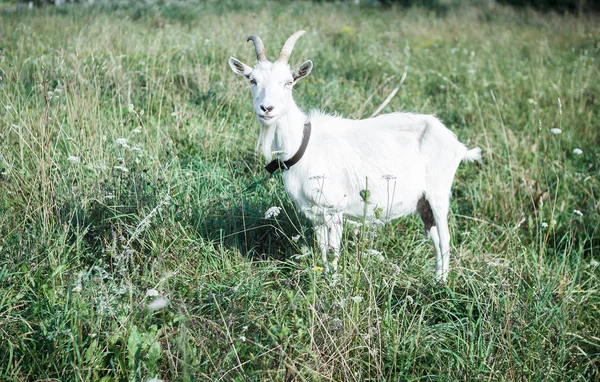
(271,83)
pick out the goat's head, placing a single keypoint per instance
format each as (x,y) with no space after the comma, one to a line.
(271,83)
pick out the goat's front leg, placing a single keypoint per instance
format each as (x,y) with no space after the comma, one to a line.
(329,235)
(336,226)
(322,232)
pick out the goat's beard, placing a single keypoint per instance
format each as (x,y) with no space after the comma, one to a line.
(265,140)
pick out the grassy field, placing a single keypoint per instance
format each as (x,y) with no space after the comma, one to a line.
(131,246)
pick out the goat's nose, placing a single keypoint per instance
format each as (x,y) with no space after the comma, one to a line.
(266,108)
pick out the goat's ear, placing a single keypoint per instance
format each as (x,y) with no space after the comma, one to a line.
(239,67)
(302,71)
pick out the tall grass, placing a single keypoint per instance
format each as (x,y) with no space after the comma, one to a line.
(126,152)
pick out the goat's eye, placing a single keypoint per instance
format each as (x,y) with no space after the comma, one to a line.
(252,81)
(289,83)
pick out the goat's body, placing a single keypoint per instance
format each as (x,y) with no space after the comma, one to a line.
(397,157)
(405,162)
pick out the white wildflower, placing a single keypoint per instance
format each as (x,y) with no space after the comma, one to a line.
(110,196)
(377,223)
(16,127)
(122,142)
(594,263)
(577,212)
(356,299)
(374,253)
(121,290)
(130,107)
(74,159)
(272,212)
(577,151)
(121,168)
(555,131)
(244,328)
(296,238)
(98,166)
(154,379)
(305,252)
(151,293)
(158,304)
(531,101)
(544,225)
(137,130)
(243,338)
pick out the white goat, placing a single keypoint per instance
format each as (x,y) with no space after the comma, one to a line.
(409,159)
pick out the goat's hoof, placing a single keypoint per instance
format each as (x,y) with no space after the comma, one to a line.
(441,279)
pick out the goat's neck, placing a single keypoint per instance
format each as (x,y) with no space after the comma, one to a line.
(289,130)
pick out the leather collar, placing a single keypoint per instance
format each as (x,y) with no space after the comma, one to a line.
(277,164)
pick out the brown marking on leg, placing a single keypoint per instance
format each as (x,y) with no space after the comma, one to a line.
(426,214)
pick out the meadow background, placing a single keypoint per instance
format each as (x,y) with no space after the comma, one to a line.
(133,242)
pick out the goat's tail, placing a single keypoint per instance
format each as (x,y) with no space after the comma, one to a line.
(473,155)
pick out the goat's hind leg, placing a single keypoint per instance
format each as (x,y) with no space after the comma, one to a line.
(441,218)
(431,230)
(440,207)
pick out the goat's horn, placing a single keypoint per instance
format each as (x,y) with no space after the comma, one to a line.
(261,53)
(286,51)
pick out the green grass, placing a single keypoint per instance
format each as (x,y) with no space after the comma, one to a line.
(82,240)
